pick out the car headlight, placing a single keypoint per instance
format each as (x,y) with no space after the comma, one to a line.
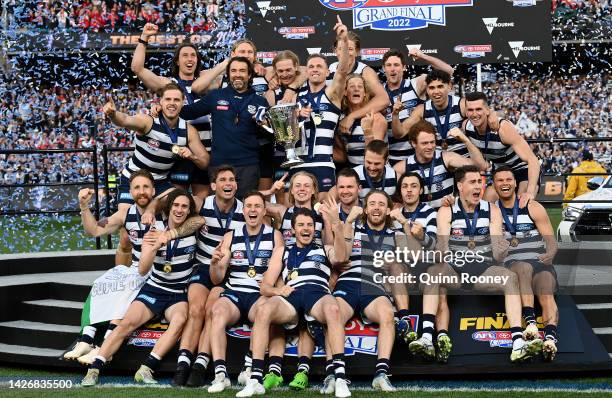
(571,213)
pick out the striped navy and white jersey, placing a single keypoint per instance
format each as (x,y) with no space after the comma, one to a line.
(313,272)
(211,234)
(357,68)
(361,257)
(426,216)
(387,183)
(530,241)
(288,235)
(441,184)
(182,263)
(202,124)
(454,120)
(460,235)
(259,84)
(136,231)
(400,148)
(493,149)
(322,152)
(153,151)
(239,279)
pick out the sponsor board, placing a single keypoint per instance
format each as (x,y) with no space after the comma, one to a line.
(296,32)
(491,23)
(265,7)
(423,50)
(396,14)
(266,56)
(517,47)
(373,54)
(473,50)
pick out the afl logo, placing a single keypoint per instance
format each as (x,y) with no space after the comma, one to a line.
(342,4)
(287,234)
(457,231)
(238,255)
(153,144)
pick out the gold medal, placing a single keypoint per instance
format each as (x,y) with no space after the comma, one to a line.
(316,118)
(175,149)
(168,267)
(236,120)
(514,241)
(251,272)
(294,274)
(444,145)
(471,245)
(429,197)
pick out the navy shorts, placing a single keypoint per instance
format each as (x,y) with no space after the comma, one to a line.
(157,300)
(243,301)
(304,298)
(472,269)
(358,300)
(536,265)
(326,176)
(202,276)
(124,189)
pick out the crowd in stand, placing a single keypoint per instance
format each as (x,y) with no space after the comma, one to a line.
(114,15)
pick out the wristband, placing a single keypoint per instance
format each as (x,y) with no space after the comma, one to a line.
(143,41)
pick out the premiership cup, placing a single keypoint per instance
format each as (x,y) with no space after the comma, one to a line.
(283,122)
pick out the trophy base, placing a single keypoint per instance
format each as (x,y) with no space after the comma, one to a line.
(291,163)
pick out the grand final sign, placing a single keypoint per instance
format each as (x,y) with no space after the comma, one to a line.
(458,31)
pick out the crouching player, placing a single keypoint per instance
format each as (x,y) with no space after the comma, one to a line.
(164,292)
(302,289)
(357,291)
(469,224)
(529,258)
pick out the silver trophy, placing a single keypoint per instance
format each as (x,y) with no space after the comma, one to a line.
(283,120)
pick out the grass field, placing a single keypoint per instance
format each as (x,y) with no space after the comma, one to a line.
(29,234)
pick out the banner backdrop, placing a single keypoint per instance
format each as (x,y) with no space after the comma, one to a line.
(457,31)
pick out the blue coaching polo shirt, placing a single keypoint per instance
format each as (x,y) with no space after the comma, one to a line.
(234,130)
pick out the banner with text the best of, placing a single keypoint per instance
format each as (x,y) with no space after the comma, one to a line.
(457,31)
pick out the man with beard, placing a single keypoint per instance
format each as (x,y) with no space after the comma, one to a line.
(304,270)
(244,255)
(469,224)
(528,228)
(234,128)
(112,306)
(356,290)
(409,92)
(375,173)
(169,266)
(504,147)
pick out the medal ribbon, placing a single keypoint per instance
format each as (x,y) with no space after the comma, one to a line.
(171,249)
(443,131)
(251,255)
(375,243)
(228,217)
(471,227)
(511,226)
(296,258)
(172,133)
(183,84)
(412,216)
(315,102)
(430,177)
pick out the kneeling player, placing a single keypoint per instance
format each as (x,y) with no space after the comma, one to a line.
(479,222)
(356,289)
(305,271)
(529,258)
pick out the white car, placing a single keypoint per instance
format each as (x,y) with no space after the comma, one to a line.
(589,221)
